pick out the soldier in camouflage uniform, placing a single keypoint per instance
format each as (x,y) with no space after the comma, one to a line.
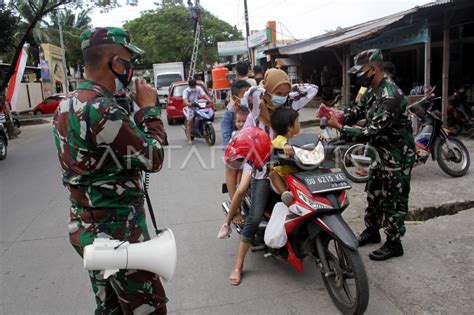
(102,153)
(389,132)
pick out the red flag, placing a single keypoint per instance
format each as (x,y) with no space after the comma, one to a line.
(15,80)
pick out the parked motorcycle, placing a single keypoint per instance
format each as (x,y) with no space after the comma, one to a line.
(202,122)
(3,141)
(338,144)
(459,112)
(432,140)
(314,226)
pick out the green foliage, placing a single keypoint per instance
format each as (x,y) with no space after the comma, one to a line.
(72,25)
(166,35)
(8,23)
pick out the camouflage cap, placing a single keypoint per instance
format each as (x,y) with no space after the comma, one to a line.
(364,57)
(107,36)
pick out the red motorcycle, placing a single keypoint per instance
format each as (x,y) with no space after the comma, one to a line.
(314,226)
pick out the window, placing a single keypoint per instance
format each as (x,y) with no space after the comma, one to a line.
(179,89)
(166,79)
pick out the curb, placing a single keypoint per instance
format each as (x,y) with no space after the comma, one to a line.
(33,121)
(430,212)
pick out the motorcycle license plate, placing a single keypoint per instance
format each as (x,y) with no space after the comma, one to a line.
(326,182)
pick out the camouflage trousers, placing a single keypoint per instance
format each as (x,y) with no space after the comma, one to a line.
(387,198)
(127,291)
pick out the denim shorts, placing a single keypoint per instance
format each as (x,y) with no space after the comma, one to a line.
(260,192)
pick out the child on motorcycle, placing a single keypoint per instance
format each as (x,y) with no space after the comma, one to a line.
(285,123)
(243,175)
(238,90)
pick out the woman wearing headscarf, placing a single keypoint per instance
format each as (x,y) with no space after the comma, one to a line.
(277,91)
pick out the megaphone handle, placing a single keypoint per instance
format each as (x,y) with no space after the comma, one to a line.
(148,202)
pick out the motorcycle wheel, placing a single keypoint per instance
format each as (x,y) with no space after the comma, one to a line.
(3,148)
(456,161)
(347,282)
(209,134)
(349,168)
(16,122)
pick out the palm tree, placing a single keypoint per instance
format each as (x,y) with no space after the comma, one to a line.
(73,25)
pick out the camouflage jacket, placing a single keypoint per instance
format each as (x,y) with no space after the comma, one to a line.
(102,151)
(388,128)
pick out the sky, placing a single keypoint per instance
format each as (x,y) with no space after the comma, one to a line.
(296,19)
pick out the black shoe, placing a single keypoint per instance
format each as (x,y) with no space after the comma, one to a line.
(369,236)
(388,250)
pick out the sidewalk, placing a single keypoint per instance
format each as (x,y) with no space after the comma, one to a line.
(436,275)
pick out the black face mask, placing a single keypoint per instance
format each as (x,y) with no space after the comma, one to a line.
(363,79)
(124,78)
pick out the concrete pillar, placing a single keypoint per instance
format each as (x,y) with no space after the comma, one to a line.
(428,59)
(445,73)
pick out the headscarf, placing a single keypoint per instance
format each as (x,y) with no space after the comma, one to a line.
(272,80)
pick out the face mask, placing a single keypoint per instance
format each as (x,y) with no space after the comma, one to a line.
(126,77)
(363,79)
(279,100)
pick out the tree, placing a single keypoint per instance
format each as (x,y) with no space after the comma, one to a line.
(166,35)
(73,25)
(8,21)
(39,10)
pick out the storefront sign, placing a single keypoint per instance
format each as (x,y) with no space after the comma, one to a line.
(259,38)
(402,36)
(232,48)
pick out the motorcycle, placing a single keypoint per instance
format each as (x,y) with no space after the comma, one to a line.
(338,144)
(314,226)
(459,112)
(202,122)
(432,140)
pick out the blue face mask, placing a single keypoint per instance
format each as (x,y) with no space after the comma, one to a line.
(279,100)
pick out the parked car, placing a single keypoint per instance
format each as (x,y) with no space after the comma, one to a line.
(3,142)
(49,105)
(174,107)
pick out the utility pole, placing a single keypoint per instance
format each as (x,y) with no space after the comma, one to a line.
(63,54)
(247,29)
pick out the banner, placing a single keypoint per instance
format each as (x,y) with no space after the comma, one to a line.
(232,48)
(259,38)
(15,81)
(45,74)
(403,36)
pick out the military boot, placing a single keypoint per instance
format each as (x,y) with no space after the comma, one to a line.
(369,236)
(388,250)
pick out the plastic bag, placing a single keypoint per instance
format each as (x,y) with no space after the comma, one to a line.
(275,233)
(324,111)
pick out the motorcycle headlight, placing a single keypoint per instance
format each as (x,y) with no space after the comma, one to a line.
(314,157)
(311,202)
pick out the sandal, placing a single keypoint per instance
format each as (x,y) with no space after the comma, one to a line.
(224,232)
(235,277)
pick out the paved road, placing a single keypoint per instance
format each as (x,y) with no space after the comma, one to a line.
(41,274)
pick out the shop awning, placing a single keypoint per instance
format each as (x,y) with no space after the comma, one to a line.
(343,36)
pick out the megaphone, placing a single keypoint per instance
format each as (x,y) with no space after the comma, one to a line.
(157,255)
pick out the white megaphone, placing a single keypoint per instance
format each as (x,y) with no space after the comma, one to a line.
(157,255)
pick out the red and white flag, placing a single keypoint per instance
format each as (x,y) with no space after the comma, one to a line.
(15,80)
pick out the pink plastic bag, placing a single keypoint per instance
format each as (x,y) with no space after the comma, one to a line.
(324,111)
